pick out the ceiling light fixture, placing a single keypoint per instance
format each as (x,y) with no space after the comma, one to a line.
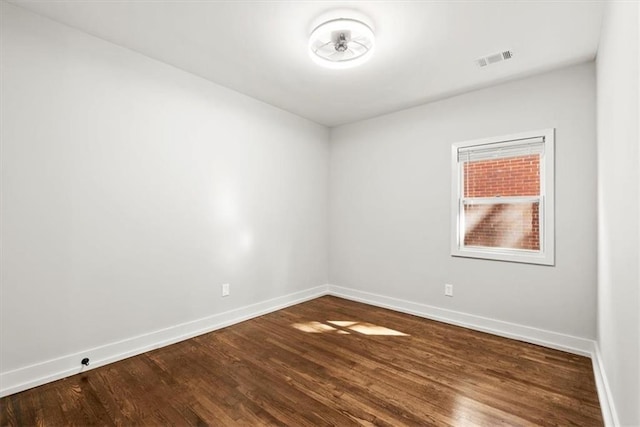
(341,43)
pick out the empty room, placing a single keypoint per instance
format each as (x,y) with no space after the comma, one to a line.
(314,213)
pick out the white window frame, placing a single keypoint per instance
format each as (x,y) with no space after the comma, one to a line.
(546,254)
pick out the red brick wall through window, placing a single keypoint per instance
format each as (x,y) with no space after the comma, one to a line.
(505,225)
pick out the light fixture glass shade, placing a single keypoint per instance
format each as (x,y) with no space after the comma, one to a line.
(341,43)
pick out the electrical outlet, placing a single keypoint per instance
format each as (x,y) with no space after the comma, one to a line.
(225,289)
(448,290)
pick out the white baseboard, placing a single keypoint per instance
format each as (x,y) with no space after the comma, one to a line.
(609,413)
(528,334)
(555,340)
(55,369)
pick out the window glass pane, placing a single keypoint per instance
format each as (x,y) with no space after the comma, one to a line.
(506,225)
(507,176)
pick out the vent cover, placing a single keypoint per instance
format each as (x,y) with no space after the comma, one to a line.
(494,57)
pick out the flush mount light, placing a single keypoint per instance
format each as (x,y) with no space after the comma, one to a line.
(341,43)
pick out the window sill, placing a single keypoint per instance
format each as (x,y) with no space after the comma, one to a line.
(508,255)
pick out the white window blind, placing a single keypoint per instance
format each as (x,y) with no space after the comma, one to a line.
(525,147)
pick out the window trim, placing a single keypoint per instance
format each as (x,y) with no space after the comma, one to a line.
(546,255)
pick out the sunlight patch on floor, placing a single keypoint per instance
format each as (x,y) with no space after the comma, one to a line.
(346,327)
(341,323)
(371,329)
(313,327)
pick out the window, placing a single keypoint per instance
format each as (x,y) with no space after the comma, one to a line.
(502,198)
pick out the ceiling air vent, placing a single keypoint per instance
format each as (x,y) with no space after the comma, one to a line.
(493,58)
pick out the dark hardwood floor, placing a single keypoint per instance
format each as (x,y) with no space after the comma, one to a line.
(325,362)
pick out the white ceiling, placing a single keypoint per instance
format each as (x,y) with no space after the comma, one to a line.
(425,50)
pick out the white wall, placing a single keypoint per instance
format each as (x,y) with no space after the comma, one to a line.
(390,205)
(132,190)
(618,207)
